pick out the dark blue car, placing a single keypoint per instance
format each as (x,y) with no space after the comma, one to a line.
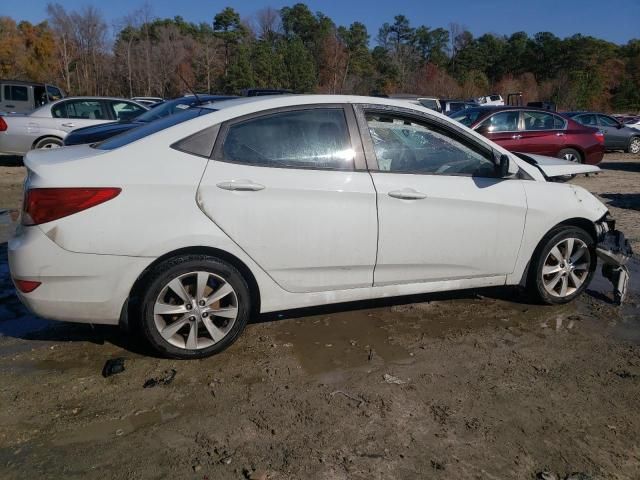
(98,133)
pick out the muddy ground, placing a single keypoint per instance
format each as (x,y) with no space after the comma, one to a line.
(478,385)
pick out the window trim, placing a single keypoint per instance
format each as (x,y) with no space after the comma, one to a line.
(452,130)
(359,163)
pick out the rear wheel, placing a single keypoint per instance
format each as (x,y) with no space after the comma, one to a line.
(634,145)
(48,142)
(570,155)
(195,306)
(562,266)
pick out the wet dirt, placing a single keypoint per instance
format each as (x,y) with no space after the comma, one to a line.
(489,387)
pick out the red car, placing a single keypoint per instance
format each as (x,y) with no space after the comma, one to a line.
(533,130)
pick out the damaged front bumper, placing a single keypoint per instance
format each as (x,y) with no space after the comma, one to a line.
(614,251)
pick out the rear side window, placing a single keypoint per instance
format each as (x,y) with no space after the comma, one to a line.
(54,93)
(314,138)
(150,128)
(588,120)
(16,93)
(125,110)
(541,121)
(607,121)
(81,109)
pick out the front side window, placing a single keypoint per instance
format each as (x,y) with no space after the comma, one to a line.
(607,121)
(405,145)
(126,110)
(16,93)
(541,121)
(467,117)
(54,93)
(314,138)
(501,122)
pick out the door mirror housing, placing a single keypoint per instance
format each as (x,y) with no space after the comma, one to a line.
(502,166)
(619,126)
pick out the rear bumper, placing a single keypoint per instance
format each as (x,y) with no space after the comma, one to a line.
(76,287)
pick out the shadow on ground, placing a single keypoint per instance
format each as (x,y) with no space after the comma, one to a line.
(10,161)
(621,166)
(629,201)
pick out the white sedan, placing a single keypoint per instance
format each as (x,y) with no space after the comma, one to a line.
(47,126)
(186,230)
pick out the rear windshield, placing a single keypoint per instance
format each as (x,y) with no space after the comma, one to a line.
(137,133)
(164,110)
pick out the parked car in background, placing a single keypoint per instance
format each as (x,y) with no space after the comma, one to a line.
(202,243)
(261,92)
(451,106)
(494,99)
(97,133)
(529,130)
(617,136)
(47,126)
(21,97)
(148,101)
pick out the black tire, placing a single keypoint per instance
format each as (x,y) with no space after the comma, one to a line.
(535,282)
(173,268)
(634,146)
(568,153)
(48,142)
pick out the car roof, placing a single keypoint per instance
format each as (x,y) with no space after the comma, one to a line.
(275,101)
(499,108)
(23,82)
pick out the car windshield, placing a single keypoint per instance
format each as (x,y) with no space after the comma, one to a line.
(467,117)
(164,110)
(134,134)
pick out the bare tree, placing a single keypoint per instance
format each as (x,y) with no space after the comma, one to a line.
(63,29)
(268,24)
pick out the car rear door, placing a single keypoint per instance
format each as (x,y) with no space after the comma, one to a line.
(503,128)
(77,113)
(542,133)
(290,187)
(443,214)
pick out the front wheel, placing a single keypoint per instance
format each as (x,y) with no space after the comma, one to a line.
(634,145)
(562,265)
(195,306)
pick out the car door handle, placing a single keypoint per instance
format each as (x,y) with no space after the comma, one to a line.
(69,125)
(10,106)
(240,185)
(407,194)
(516,137)
(559,134)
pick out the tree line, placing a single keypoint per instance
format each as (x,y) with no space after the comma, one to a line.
(305,51)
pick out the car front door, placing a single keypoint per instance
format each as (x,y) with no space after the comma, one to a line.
(290,187)
(614,137)
(504,129)
(443,214)
(542,133)
(77,113)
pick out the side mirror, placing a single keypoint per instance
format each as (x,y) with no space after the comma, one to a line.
(502,166)
(483,130)
(619,126)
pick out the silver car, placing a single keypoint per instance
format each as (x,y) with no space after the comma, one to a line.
(47,126)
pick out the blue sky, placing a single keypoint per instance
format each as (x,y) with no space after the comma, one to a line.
(614,20)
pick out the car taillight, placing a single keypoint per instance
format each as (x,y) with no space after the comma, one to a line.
(26,286)
(600,137)
(42,205)
(3,125)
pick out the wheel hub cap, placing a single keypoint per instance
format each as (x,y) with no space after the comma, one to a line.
(195,310)
(566,267)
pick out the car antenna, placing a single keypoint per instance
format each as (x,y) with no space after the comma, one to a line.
(189,87)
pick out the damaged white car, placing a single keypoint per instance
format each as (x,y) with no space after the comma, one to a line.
(186,230)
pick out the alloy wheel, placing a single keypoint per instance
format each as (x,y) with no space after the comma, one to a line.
(195,310)
(566,267)
(571,157)
(635,146)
